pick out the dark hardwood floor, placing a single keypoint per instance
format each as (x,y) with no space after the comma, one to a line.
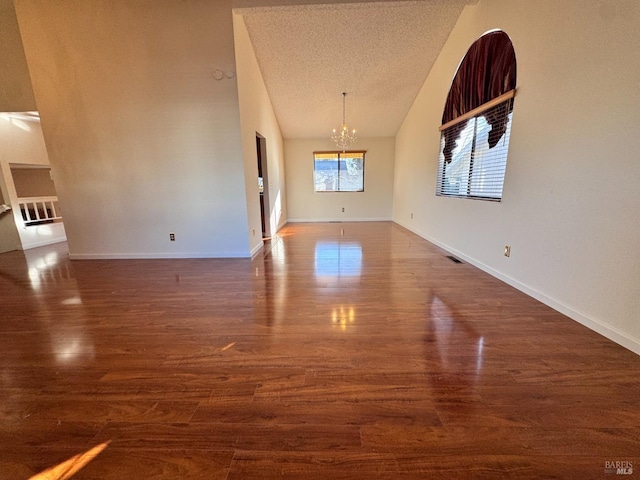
(351,351)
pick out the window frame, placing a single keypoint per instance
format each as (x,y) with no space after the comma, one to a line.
(344,154)
(475,114)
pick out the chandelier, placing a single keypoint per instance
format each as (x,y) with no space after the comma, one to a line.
(343,138)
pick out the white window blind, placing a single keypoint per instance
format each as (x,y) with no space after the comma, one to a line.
(476,169)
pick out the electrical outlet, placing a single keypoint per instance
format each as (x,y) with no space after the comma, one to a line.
(172,237)
(412,215)
(507,250)
(254,232)
(343,209)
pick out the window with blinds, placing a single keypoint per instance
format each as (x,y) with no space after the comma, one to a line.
(477,163)
(338,171)
(476,121)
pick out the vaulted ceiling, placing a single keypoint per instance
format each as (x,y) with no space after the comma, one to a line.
(378,52)
(310,51)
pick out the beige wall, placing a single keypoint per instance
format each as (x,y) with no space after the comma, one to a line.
(16,94)
(375,203)
(143,139)
(33,182)
(257,116)
(571,193)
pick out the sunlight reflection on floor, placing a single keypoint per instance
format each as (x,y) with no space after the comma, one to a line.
(69,468)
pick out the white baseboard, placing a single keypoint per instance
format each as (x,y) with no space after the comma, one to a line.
(612,333)
(256,249)
(339,219)
(153,256)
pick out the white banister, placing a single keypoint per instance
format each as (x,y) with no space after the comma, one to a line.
(39,210)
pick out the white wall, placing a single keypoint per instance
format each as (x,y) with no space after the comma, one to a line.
(375,203)
(571,196)
(143,139)
(21,142)
(257,116)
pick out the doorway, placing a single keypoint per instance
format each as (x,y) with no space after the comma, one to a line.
(263,185)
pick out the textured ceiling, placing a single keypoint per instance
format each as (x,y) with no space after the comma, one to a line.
(378,52)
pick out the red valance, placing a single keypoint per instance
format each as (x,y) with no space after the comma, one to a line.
(487,71)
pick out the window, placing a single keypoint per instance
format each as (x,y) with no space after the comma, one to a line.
(477,121)
(476,168)
(338,171)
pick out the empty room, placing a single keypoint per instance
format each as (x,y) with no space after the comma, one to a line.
(315,239)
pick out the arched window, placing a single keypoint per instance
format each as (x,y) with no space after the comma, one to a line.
(476,122)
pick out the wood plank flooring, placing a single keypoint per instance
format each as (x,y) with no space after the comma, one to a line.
(345,350)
